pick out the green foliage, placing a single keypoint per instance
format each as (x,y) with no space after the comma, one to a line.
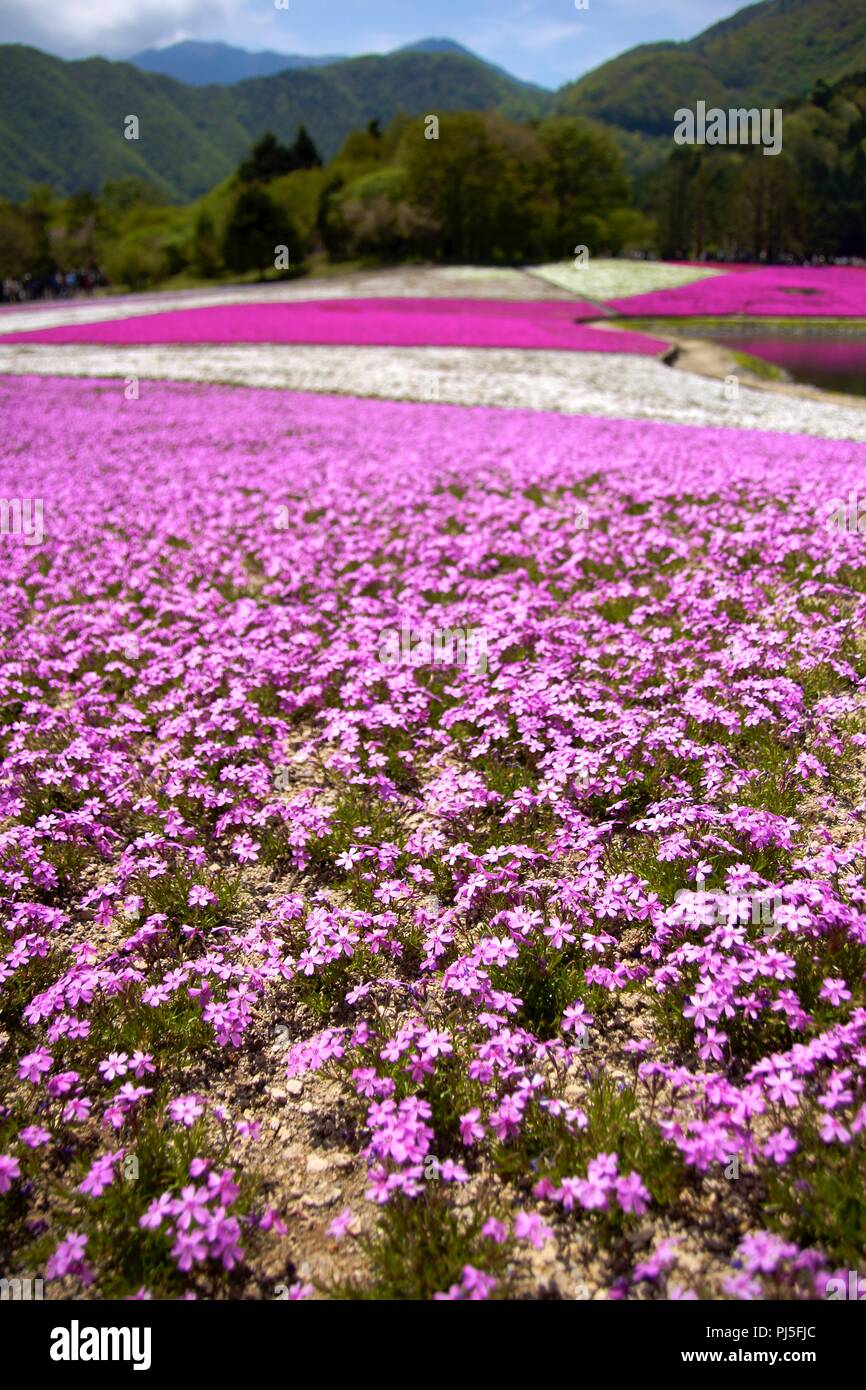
(818,1198)
(18,241)
(809,200)
(205,251)
(616,1122)
(255,228)
(330,228)
(193,137)
(585,176)
(481,184)
(421,1246)
(762,56)
(506,182)
(304,151)
(268,159)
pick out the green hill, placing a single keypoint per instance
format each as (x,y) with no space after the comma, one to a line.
(762,56)
(62,122)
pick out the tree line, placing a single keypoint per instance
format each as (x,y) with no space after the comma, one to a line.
(734,204)
(468,187)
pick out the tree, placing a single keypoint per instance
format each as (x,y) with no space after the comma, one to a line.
(587,179)
(482,184)
(378,220)
(40,209)
(330,227)
(204,247)
(76,243)
(255,228)
(119,195)
(821,95)
(360,147)
(304,151)
(18,243)
(267,160)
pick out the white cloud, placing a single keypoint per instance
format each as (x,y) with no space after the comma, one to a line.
(691,16)
(546,41)
(110,27)
(545,35)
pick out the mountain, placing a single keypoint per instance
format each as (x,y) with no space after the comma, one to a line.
(63,122)
(762,56)
(436,46)
(449,46)
(200,64)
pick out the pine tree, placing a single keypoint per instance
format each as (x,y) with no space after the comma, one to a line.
(254,229)
(267,160)
(304,151)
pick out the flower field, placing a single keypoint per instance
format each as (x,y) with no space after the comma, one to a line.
(772,292)
(408,282)
(387,322)
(615,385)
(432,847)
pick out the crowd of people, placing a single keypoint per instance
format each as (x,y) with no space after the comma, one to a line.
(57,284)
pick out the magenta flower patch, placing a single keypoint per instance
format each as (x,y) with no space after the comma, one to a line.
(388,322)
(313,944)
(771,292)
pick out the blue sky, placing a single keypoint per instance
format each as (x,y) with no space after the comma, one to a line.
(545,41)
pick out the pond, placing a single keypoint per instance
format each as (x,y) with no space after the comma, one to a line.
(832,360)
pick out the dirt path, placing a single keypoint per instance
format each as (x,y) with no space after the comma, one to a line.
(711,360)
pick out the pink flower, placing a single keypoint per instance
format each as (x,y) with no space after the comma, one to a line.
(200,896)
(189,1248)
(712,1045)
(116,1064)
(68,1258)
(495,1230)
(9,1170)
(780,1146)
(576,1017)
(631,1194)
(245,849)
(558,933)
(529,1226)
(34,1066)
(185,1110)
(470,1128)
(141,1063)
(449,1171)
(100,1175)
(784,1088)
(832,1130)
(160,1208)
(340,1224)
(34,1136)
(476,1284)
(834,990)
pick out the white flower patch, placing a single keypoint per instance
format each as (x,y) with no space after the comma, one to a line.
(612,385)
(611,279)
